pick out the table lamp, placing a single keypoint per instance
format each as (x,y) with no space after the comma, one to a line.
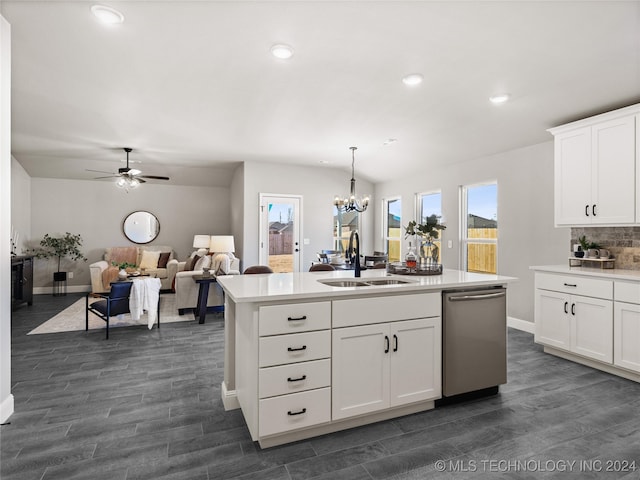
(201,241)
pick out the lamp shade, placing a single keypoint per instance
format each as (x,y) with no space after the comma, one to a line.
(222,244)
(201,241)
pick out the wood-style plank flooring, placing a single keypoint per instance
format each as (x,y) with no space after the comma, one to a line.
(146,405)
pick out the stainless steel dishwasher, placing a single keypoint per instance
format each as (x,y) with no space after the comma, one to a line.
(474,341)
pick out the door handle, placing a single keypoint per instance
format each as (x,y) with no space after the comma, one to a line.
(566,307)
(573,309)
(395,342)
(386,344)
(586,210)
(593,210)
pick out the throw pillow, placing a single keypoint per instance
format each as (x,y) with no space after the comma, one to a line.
(203,262)
(149,259)
(163,259)
(191,261)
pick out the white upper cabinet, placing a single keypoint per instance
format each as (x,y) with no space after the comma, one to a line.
(596,176)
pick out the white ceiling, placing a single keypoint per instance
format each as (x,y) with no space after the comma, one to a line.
(192,83)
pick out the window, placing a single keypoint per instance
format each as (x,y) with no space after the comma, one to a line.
(480,227)
(343,224)
(392,209)
(430,204)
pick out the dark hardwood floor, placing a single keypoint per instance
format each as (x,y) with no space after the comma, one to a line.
(146,405)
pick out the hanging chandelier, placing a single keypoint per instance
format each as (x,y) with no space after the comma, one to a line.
(352,203)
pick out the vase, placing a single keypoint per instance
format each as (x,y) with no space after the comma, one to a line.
(122,274)
(426,252)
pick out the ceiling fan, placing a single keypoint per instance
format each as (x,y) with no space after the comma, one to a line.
(129,177)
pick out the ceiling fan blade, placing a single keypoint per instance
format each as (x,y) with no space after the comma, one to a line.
(109,176)
(141,180)
(153,177)
(98,171)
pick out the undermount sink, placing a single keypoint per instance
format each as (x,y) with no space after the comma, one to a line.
(363,283)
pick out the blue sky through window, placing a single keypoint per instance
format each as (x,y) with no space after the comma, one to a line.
(482,201)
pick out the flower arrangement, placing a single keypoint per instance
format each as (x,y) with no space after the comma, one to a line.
(429,230)
(123,265)
(427,233)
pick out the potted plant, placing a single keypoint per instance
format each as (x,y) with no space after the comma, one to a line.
(123,266)
(586,245)
(427,233)
(59,247)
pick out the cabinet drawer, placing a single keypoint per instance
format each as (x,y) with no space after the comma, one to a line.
(576,285)
(295,377)
(359,311)
(298,410)
(292,318)
(627,292)
(297,347)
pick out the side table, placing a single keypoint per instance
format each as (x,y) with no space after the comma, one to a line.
(203,295)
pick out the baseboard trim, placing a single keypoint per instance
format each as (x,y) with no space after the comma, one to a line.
(520,324)
(6,408)
(70,289)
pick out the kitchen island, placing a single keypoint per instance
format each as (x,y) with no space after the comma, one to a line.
(313,353)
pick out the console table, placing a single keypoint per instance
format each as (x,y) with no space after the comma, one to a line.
(21,280)
(203,294)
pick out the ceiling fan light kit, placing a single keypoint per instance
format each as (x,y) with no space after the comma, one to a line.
(129,177)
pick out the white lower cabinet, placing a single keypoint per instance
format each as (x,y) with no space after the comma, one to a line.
(626,326)
(576,323)
(385,365)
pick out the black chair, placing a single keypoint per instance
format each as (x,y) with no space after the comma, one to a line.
(321,267)
(257,269)
(116,302)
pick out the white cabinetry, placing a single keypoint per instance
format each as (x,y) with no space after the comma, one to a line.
(575,314)
(595,170)
(626,337)
(389,362)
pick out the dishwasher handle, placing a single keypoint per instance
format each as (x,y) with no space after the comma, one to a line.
(483,296)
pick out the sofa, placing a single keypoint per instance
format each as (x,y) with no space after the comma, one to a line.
(187,290)
(159,262)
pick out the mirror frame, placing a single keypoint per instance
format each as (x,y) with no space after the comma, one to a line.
(127,228)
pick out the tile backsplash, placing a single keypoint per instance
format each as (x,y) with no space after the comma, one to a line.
(622,242)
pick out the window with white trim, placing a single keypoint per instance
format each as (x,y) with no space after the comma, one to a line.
(479,229)
(343,224)
(392,221)
(430,204)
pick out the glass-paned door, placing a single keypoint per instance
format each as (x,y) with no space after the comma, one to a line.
(280,232)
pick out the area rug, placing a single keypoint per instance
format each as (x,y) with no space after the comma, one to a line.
(73,318)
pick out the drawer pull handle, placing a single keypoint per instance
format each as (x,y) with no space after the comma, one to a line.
(299,412)
(296,319)
(298,349)
(570,285)
(299,379)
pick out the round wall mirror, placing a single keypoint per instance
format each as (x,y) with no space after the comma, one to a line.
(141,227)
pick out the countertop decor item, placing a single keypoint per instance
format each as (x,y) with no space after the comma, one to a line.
(426,233)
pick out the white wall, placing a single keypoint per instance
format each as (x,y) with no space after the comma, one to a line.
(527,235)
(97,209)
(20,203)
(317,186)
(6,399)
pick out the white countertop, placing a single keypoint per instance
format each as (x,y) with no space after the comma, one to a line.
(292,286)
(613,273)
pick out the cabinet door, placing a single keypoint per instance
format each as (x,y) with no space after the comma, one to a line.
(592,328)
(613,172)
(416,358)
(553,323)
(360,370)
(626,344)
(572,177)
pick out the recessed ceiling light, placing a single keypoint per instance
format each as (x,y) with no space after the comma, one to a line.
(413,79)
(324,162)
(107,15)
(282,51)
(390,141)
(500,98)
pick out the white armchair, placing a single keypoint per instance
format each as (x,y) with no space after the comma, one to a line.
(187,289)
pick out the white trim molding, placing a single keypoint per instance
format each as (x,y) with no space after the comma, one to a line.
(520,324)
(6,408)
